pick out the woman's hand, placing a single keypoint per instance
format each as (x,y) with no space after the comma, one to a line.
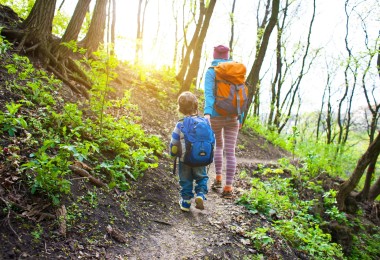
(207,116)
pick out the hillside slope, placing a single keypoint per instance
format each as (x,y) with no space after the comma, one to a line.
(143,222)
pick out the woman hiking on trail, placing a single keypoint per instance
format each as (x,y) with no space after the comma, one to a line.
(226,128)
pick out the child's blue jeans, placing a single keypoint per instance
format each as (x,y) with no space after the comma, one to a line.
(187,175)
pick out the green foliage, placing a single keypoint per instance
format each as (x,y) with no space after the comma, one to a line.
(329,202)
(366,246)
(279,202)
(21,7)
(69,136)
(37,86)
(37,232)
(307,236)
(316,157)
(272,136)
(260,238)
(47,173)
(4,44)
(10,122)
(102,72)
(60,23)
(72,45)
(92,198)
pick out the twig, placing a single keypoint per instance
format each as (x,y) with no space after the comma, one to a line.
(161,222)
(84,173)
(8,218)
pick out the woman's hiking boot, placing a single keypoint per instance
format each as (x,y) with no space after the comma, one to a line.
(199,201)
(217,183)
(227,192)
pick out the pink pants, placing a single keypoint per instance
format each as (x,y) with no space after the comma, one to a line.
(226,131)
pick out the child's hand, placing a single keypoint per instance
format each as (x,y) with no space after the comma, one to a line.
(174,150)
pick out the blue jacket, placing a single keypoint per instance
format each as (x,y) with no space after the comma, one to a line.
(209,88)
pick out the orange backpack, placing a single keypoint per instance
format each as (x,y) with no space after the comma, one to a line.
(231,93)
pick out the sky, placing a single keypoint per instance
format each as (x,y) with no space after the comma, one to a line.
(328,34)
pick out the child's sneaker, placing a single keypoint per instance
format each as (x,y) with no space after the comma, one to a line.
(227,192)
(199,201)
(185,204)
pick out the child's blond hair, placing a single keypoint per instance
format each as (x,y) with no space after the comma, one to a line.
(187,103)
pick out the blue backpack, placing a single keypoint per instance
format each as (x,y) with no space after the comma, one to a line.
(199,141)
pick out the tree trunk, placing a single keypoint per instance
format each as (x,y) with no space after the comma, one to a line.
(74,27)
(259,37)
(39,22)
(194,66)
(232,19)
(349,185)
(140,31)
(95,34)
(363,195)
(253,77)
(181,76)
(275,95)
(374,191)
(113,34)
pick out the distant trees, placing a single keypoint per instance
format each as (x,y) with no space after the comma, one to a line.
(140,29)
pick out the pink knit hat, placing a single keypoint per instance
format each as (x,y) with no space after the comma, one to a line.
(221,52)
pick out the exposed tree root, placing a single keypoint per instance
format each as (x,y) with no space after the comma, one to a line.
(62,216)
(116,234)
(23,43)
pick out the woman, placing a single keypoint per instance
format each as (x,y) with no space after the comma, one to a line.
(225,128)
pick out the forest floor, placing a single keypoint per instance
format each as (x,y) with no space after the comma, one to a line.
(151,226)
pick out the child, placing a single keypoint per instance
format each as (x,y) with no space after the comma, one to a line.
(188,106)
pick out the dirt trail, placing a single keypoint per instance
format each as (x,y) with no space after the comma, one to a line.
(196,234)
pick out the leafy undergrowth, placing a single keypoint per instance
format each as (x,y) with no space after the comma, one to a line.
(300,212)
(87,178)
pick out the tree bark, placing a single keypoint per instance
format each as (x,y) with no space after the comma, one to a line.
(253,77)
(275,95)
(74,27)
(39,22)
(181,76)
(374,191)
(259,37)
(349,185)
(95,34)
(232,19)
(194,66)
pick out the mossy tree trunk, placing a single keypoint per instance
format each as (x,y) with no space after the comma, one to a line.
(350,184)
